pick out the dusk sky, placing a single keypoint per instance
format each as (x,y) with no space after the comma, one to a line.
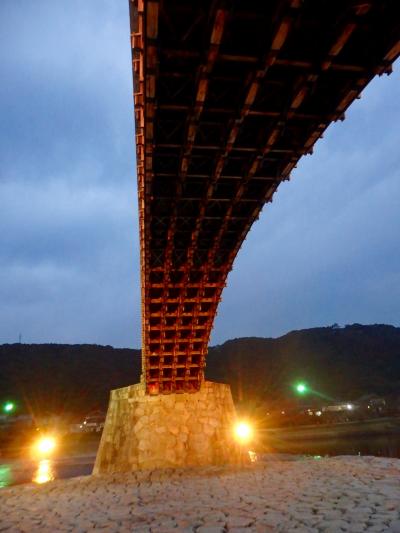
(326,250)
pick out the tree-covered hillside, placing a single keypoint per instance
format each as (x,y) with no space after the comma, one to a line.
(342,363)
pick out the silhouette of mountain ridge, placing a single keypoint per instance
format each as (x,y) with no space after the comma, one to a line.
(339,362)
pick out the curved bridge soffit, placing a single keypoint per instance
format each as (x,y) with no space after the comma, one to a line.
(228,96)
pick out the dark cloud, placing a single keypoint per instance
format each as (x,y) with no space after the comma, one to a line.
(325,251)
(68,250)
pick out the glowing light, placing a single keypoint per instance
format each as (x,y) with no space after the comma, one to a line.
(45,446)
(318,413)
(243,432)
(349,406)
(301,388)
(44,473)
(9,407)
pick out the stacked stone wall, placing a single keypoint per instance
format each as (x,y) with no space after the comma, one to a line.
(146,432)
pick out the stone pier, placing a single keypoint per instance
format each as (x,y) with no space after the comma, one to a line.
(169,430)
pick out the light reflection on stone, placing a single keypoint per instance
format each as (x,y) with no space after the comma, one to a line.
(253,456)
(44,472)
(5,476)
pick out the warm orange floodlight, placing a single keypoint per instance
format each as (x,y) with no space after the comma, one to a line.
(243,432)
(45,446)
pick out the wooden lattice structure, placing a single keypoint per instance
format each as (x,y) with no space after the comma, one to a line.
(228,96)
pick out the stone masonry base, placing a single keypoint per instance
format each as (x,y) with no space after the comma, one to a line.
(147,432)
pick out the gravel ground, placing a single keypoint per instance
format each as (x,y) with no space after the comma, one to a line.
(333,494)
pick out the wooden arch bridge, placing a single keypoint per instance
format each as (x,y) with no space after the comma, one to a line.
(228,96)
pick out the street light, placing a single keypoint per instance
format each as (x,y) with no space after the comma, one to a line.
(301,388)
(9,407)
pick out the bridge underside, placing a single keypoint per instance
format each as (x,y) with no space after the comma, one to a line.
(228,96)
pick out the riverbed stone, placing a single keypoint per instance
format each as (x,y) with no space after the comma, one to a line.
(267,496)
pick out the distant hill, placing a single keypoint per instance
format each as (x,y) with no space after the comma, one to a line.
(65,377)
(342,363)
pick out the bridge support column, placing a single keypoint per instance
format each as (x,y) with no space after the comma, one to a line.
(168,430)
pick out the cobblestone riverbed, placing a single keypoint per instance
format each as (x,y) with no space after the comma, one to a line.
(306,495)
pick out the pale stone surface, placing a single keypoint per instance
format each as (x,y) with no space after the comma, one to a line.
(148,432)
(273,495)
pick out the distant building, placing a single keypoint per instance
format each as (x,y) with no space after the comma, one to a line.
(340,407)
(372,403)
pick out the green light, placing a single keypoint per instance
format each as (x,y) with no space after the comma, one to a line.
(301,388)
(9,407)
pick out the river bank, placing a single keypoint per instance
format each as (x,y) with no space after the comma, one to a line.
(371,427)
(380,437)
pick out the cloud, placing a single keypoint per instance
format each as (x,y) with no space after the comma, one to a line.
(324,251)
(69,240)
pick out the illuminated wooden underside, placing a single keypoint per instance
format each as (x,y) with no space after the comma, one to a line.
(228,96)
